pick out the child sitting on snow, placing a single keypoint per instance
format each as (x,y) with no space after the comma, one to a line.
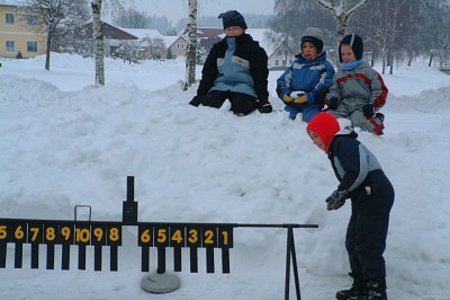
(236,69)
(358,91)
(304,84)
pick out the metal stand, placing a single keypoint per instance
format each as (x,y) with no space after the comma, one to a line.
(291,253)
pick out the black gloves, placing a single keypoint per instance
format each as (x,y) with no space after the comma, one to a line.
(264,107)
(333,103)
(195,101)
(336,200)
(368,110)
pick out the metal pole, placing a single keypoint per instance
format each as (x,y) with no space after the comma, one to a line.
(294,262)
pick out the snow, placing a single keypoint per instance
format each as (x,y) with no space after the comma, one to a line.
(65,141)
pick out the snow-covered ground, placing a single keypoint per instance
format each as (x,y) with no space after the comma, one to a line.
(65,141)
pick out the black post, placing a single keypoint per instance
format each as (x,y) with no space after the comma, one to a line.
(291,253)
(288,269)
(294,263)
(130,207)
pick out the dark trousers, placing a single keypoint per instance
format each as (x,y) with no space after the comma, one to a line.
(367,230)
(241,104)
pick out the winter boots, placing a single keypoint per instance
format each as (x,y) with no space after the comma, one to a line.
(378,123)
(361,290)
(375,290)
(358,289)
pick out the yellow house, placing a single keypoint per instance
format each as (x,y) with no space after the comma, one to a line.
(19,31)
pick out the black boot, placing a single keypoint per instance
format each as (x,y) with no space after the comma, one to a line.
(358,289)
(376,290)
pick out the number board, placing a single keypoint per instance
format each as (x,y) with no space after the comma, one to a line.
(64,233)
(109,234)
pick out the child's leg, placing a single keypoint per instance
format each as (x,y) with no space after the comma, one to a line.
(292,110)
(372,124)
(310,112)
(242,104)
(373,208)
(214,99)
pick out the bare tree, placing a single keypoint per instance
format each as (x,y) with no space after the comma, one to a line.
(341,10)
(192,46)
(51,12)
(132,18)
(154,48)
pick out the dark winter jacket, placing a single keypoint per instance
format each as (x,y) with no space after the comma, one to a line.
(352,162)
(243,70)
(307,75)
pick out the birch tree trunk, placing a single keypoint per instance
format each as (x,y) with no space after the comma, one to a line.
(341,13)
(99,47)
(191,53)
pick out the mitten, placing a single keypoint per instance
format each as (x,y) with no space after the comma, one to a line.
(333,103)
(264,107)
(195,101)
(287,99)
(295,94)
(368,110)
(336,200)
(300,97)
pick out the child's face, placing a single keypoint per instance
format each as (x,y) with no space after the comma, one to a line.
(309,50)
(234,31)
(347,54)
(316,140)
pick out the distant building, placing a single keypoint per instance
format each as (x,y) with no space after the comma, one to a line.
(20,31)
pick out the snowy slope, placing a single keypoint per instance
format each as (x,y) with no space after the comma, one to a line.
(64,141)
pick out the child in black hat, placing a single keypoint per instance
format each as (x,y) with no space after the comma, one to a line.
(304,84)
(235,69)
(358,91)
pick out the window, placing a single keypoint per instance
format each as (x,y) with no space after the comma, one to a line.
(32,46)
(10,46)
(10,19)
(32,20)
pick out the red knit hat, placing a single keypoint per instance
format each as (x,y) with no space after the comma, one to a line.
(325,125)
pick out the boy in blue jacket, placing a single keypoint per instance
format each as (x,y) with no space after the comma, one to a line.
(363,181)
(304,84)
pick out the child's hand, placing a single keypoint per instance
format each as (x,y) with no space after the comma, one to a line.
(300,97)
(288,99)
(333,103)
(296,94)
(368,110)
(336,200)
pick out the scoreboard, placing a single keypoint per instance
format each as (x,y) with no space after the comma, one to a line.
(109,234)
(159,236)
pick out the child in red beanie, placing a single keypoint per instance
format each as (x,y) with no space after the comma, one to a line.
(363,181)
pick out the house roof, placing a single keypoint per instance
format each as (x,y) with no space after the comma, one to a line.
(141,33)
(176,39)
(112,32)
(206,32)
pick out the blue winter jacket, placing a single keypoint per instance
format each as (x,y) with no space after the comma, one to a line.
(307,75)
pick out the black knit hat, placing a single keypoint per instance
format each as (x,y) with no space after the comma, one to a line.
(232,18)
(314,36)
(355,42)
